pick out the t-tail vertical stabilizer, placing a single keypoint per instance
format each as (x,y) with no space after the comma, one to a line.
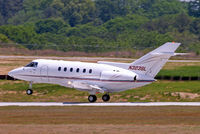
(151,63)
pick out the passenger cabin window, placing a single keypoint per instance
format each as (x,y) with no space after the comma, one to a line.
(84,70)
(59,68)
(90,71)
(71,69)
(77,70)
(65,69)
(32,64)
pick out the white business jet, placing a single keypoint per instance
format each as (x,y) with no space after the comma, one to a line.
(100,77)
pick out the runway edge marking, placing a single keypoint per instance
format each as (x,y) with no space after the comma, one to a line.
(99,104)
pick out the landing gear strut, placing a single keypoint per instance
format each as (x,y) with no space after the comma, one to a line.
(106,97)
(92,98)
(29,91)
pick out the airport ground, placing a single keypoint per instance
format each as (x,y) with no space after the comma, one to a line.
(59,120)
(104,120)
(159,91)
(92,120)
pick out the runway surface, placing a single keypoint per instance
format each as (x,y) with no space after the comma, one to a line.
(100,104)
(82,58)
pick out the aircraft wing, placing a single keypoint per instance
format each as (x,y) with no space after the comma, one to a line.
(85,85)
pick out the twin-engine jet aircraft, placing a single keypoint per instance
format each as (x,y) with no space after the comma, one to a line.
(100,77)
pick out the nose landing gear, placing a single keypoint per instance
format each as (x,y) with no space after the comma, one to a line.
(29,91)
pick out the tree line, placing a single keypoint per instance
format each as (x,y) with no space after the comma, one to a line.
(100,25)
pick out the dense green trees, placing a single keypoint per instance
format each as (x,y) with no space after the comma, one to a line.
(78,11)
(194,8)
(49,25)
(83,11)
(99,25)
(19,34)
(8,8)
(4,39)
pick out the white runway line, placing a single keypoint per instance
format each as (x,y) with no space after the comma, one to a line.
(100,104)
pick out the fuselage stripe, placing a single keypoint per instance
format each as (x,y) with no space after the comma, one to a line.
(91,79)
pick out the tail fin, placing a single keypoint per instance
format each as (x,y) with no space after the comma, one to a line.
(151,63)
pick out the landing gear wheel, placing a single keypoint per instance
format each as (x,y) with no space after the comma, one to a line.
(106,97)
(92,98)
(29,91)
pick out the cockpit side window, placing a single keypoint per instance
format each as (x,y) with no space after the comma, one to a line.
(32,64)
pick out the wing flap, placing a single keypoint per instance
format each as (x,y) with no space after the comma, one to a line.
(84,85)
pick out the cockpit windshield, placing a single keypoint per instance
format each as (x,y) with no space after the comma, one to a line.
(32,64)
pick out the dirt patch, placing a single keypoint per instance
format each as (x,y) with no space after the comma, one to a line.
(116,96)
(136,97)
(173,115)
(184,95)
(115,120)
(10,82)
(100,128)
(145,97)
(8,92)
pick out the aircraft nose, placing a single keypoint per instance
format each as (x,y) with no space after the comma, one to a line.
(14,72)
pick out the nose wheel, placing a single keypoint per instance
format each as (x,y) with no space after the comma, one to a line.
(106,97)
(92,98)
(29,91)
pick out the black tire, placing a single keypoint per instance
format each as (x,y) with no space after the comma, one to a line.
(106,97)
(92,98)
(29,91)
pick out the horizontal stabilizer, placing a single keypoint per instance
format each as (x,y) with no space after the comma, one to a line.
(182,53)
(170,54)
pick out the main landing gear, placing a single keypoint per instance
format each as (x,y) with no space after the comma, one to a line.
(29,91)
(93,98)
(106,97)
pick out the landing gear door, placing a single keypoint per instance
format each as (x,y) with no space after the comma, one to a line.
(44,74)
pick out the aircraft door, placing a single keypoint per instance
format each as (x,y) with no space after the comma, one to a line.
(44,74)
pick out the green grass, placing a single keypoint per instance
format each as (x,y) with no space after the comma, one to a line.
(181,71)
(163,91)
(157,91)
